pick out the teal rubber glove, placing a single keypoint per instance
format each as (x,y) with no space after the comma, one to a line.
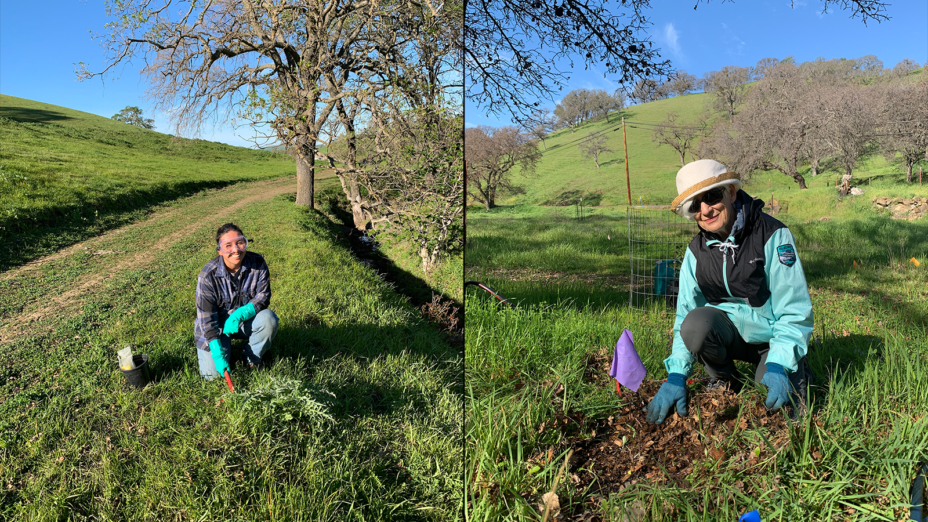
(242,313)
(777,386)
(672,392)
(215,348)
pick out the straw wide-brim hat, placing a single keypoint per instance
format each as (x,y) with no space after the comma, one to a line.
(697,177)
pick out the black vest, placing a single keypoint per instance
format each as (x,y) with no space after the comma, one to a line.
(747,280)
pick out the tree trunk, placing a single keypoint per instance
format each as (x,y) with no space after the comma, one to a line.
(908,173)
(596,161)
(357,210)
(305,178)
(429,258)
(814,168)
(801,180)
(682,159)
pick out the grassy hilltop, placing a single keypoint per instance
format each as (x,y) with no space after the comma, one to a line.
(563,173)
(67,175)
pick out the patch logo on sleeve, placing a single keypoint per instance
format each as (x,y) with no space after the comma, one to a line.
(787,254)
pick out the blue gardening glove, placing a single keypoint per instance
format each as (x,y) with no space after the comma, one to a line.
(672,392)
(777,386)
(215,348)
(242,313)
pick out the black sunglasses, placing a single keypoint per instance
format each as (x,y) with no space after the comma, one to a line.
(710,197)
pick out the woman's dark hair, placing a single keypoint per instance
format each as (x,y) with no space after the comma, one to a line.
(225,228)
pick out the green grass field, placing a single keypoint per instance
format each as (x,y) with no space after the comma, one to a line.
(853,458)
(357,416)
(76,440)
(67,175)
(563,173)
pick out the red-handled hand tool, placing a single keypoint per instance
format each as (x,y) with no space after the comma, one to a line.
(229,381)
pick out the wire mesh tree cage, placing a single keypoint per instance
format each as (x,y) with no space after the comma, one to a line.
(657,241)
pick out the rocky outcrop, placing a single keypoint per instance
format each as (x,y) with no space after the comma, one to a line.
(902,208)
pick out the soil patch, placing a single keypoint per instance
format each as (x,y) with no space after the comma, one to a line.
(626,449)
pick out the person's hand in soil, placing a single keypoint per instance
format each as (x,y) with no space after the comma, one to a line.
(672,392)
(777,386)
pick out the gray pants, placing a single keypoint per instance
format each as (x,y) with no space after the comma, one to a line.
(715,342)
(260,331)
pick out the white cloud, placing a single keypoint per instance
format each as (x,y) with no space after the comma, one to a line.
(671,37)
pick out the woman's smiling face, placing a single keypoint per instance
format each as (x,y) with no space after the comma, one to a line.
(719,217)
(232,248)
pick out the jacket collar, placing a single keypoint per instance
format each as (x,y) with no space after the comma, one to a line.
(747,212)
(222,271)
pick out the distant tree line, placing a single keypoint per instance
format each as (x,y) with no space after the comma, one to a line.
(782,116)
(828,114)
(582,105)
(775,116)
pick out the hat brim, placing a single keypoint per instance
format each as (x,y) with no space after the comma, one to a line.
(681,204)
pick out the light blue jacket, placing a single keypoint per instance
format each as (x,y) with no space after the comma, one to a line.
(767,305)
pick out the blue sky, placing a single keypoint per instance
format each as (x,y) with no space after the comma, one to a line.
(40,45)
(722,33)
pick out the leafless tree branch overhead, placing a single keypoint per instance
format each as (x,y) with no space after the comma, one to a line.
(514,49)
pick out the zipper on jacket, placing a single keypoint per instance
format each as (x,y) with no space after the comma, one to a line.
(725,278)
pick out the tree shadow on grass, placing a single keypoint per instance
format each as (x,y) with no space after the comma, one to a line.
(24,115)
(166,365)
(415,289)
(24,238)
(840,357)
(614,161)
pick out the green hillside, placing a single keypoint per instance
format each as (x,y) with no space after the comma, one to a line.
(67,175)
(563,172)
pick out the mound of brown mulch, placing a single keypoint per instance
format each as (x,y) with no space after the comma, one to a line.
(626,449)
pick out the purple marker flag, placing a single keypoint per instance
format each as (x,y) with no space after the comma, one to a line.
(627,367)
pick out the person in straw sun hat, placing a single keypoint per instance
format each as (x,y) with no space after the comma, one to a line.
(742,295)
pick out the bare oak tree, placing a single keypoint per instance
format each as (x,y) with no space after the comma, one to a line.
(604,103)
(776,120)
(682,82)
(593,146)
(763,65)
(644,91)
(514,48)
(680,135)
(905,130)
(728,87)
(849,118)
(542,123)
(904,67)
(575,108)
(265,61)
(491,154)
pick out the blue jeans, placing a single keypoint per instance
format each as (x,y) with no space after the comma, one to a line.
(259,331)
